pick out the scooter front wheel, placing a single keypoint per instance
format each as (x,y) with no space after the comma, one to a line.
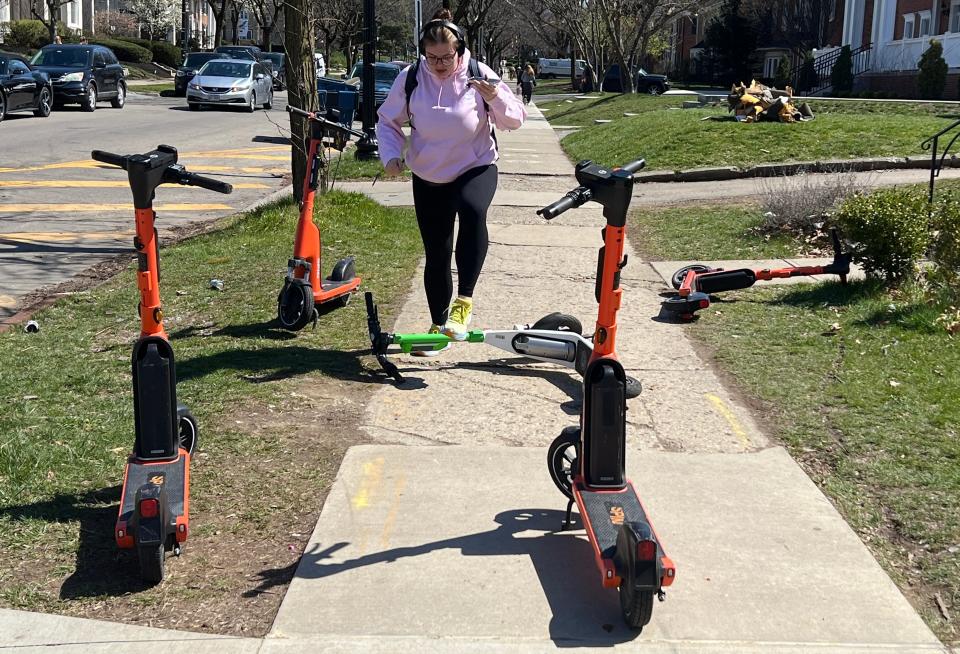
(295,304)
(151,562)
(563,458)
(680,275)
(187,428)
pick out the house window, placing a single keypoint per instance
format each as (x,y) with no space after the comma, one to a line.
(955,17)
(924,24)
(908,26)
(770,67)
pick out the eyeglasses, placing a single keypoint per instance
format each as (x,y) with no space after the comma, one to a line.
(446,60)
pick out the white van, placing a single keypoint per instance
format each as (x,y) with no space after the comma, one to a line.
(547,68)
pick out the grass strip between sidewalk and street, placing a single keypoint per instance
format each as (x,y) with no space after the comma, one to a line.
(858,382)
(670,138)
(276,411)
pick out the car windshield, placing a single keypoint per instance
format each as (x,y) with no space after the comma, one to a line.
(386,73)
(239,53)
(226,69)
(70,57)
(275,57)
(197,59)
(643,73)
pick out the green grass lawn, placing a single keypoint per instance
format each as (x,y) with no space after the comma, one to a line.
(152,88)
(670,138)
(550,86)
(858,382)
(269,430)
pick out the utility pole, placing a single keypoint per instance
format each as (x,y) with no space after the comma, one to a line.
(367,147)
(184,24)
(417,24)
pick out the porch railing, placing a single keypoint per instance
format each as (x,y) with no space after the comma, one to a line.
(823,67)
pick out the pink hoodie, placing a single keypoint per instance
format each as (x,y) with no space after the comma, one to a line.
(452,131)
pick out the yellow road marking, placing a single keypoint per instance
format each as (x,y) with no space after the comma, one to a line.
(372,475)
(95,164)
(61,237)
(394,509)
(27,208)
(26,183)
(217,153)
(735,425)
(264,157)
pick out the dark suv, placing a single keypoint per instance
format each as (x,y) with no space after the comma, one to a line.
(241,51)
(85,74)
(645,82)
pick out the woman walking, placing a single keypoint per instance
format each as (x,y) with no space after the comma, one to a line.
(452,105)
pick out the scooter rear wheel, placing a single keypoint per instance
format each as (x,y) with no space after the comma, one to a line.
(562,459)
(559,322)
(680,275)
(637,605)
(151,563)
(187,427)
(295,305)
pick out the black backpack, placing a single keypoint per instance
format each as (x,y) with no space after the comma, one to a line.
(473,68)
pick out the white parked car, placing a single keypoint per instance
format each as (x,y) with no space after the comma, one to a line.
(231,81)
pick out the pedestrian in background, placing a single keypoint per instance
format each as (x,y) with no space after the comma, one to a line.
(452,153)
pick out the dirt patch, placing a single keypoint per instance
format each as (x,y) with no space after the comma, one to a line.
(250,521)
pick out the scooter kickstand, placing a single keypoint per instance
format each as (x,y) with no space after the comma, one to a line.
(177,549)
(316,317)
(661,595)
(566,520)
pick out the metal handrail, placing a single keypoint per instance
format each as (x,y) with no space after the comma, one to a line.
(931,144)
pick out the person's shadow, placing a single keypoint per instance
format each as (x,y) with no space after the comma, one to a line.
(583,612)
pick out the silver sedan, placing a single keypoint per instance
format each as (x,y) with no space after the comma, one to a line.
(231,81)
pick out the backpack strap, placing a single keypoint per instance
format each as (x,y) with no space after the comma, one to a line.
(473,67)
(409,85)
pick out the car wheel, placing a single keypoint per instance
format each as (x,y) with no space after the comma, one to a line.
(3,105)
(269,103)
(252,104)
(89,103)
(121,99)
(43,103)
(654,89)
(194,106)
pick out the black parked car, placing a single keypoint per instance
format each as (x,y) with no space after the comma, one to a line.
(279,73)
(645,82)
(23,89)
(85,74)
(191,64)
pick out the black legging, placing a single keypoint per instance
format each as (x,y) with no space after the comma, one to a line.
(468,196)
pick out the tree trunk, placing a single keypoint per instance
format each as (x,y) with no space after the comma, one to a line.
(301,86)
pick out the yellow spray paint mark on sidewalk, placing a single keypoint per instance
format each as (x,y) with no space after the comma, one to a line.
(735,425)
(394,509)
(372,475)
(28,208)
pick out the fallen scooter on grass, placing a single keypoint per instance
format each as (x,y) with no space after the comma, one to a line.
(695,283)
(154,513)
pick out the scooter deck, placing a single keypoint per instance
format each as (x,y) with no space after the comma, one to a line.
(328,285)
(603,513)
(172,475)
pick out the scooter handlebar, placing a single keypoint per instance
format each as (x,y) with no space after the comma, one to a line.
(574,198)
(109,158)
(634,166)
(326,123)
(192,179)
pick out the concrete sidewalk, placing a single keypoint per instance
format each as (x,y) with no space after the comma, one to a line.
(442,535)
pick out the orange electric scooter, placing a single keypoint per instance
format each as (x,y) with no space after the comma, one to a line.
(155,505)
(587,462)
(303,292)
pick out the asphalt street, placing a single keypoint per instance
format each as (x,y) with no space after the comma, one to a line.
(61,212)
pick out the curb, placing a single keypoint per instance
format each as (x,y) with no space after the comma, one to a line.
(723,173)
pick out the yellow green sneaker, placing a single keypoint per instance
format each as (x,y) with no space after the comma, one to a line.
(459,318)
(434,329)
